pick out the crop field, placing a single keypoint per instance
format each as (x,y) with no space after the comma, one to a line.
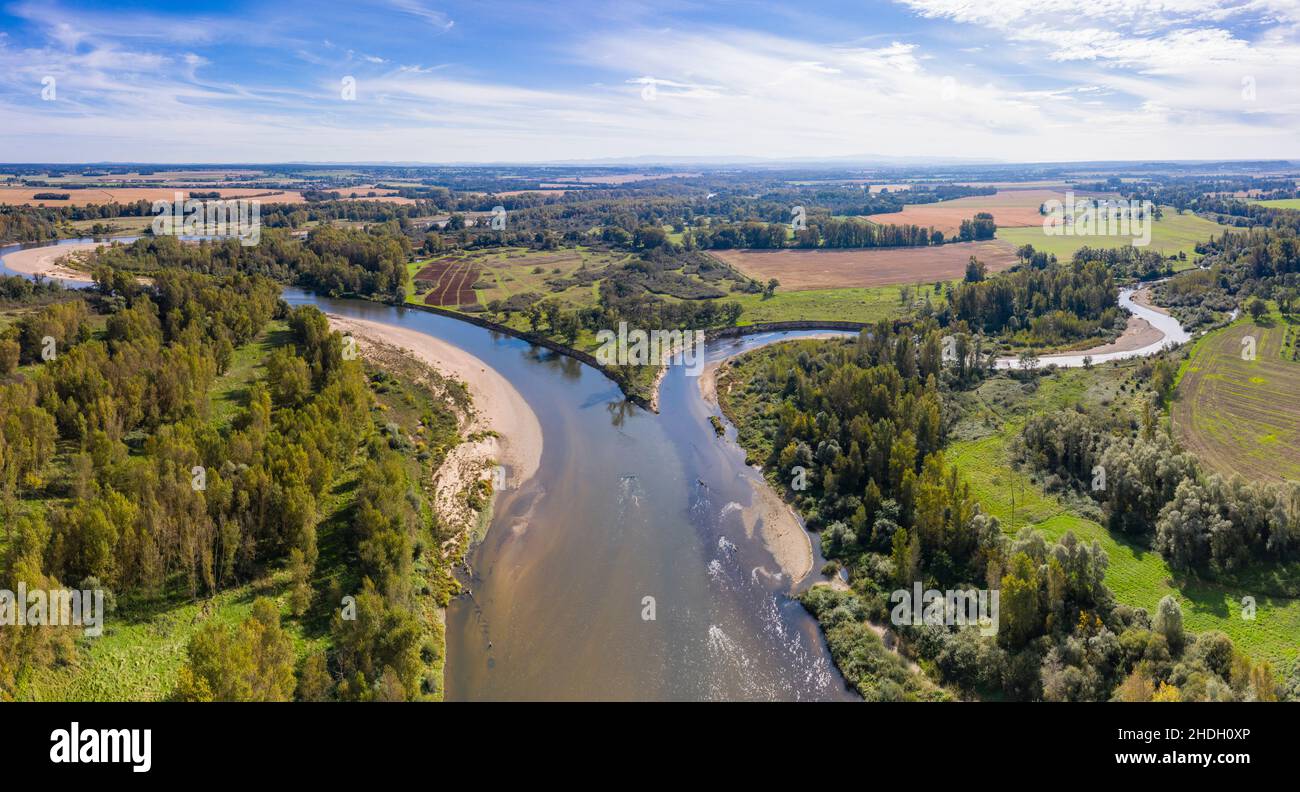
(800,270)
(506,272)
(1138,575)
(448,281)
(1240,415)
(1011,208)
(1172,234)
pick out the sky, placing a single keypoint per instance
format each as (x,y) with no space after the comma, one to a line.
(513,81)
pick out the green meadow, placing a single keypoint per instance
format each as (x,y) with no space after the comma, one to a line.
(982,451)
(1172,234)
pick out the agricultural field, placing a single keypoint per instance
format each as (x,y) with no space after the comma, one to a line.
(800,270)
(1011,208)
(448,281)
(1172,234)
(500,274)
(1281,203)
(1139,576)
(1240,415)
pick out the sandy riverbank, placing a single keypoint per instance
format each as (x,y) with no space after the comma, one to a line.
(1143,298)
(498,406)
(783,535)
(1139,334)
(51,261)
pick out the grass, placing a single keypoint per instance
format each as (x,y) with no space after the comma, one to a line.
(1172,234)
(119,225)
(1137,575)
(1281,203)
(229,393)
(139,656)
(857,305)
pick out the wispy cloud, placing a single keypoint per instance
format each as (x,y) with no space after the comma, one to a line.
(1040,79)
(419,9)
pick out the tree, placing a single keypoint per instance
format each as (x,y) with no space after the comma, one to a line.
(300,577)
(10,352)
(771,287)
(251,661)
(1169,622)
(1257,309)
(650,236)
(314,681)
(1020,606)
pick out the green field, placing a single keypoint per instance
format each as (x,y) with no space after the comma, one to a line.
(1138,576)
(1281,203)
(1172,234)
(855,305)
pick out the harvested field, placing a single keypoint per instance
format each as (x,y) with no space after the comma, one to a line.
(1010,209)
(801,270)
(452,280)
(1242,416)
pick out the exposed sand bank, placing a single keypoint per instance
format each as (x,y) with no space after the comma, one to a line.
(1137,335)
(783,534)
(1143,298)
(498,406)
(51,261)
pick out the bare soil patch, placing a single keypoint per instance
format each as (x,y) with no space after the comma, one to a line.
(1011,208)
(805,270)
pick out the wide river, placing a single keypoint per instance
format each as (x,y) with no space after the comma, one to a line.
(626,505)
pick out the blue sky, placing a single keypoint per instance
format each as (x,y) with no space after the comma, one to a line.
(509,80)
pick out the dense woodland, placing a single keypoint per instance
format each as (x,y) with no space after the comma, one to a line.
(115,474)
(1054,304)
